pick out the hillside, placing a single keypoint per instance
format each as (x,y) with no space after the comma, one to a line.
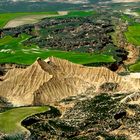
(90,116)
(51,80)
(69,70)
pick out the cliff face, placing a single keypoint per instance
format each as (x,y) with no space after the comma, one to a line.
(51,80)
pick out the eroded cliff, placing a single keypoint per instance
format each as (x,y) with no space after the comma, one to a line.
(48,81)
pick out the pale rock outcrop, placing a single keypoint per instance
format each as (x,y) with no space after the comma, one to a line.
(51,80)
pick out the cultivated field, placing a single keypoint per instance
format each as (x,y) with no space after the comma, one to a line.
(25,20)
(135,67)
(9,17)
(133,34)
(27,55)
(13,51)
(10,121)
(133,37)
(31,19)
(17,19)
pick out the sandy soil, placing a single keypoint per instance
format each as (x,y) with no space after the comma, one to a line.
(62,13)
(31,19)
(134,75)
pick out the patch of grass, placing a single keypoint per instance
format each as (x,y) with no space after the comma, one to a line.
(137,10)
(9,42)
(6,17)
(135,67)
(29,57)
(81,13)
(10,121)
(114,38)
(127,18)
(133,34)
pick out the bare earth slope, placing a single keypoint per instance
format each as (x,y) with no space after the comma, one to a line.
(51,80)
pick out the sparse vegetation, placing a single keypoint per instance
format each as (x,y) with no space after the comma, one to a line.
(16,136)
(86,120)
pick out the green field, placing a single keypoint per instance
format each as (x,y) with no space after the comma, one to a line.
(138,10)
(6,17)
(133,34)
(10,121)
(12,50)
(135,67)
(28,58)
(80,13)
(127,18)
